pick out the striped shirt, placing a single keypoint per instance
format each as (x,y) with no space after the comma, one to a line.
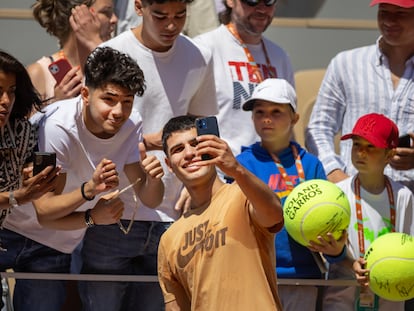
(358,82)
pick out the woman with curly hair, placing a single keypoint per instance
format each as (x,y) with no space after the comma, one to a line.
(74,23)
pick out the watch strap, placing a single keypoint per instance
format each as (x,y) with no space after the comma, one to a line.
(88,219)
(12,200)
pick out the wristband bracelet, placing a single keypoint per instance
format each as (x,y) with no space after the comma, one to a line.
(88,219)
(335,259)
(83,192)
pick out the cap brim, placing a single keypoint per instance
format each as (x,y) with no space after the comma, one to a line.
(248,105)
(347,136)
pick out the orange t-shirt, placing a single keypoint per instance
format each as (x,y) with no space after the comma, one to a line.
(219,258)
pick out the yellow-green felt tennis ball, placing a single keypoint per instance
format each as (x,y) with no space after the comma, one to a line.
(390,259)
(316,207)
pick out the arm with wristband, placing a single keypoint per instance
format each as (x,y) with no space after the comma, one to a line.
(57,209)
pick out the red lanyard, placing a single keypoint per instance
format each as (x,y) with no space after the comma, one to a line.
(256,73)
(357,186)
(282,170)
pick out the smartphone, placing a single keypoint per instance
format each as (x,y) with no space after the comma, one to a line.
(42,160)
(404,141)
(59,69)
(207,125)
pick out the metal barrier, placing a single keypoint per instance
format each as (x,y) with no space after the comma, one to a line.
(134,278)
(153,278)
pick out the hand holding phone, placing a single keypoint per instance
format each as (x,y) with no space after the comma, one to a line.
(205,126)
(43,160)
(59,69)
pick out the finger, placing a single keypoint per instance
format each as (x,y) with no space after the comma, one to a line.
(142,151)
(111,196)
(187,204)
(182,201)
(27,172)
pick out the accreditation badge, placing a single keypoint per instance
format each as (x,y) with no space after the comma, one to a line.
(367,300)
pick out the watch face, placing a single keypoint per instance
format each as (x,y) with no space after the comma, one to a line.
(12,200)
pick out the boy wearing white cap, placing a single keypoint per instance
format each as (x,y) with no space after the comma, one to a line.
(282,164)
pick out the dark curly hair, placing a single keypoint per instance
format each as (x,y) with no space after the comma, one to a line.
(176,124)
(106,65)
(27,98)
(53,15)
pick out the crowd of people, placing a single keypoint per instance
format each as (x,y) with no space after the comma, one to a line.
(132,194)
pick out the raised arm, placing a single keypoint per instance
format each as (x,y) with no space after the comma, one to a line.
(265,204)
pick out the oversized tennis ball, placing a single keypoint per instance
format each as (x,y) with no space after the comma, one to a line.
(390,259)
(316,207)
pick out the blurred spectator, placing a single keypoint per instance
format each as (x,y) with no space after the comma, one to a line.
(18,139)
(201,16)
(180,81)
(243,57)
(74,23)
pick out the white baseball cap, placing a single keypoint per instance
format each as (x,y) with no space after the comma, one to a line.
(278,91)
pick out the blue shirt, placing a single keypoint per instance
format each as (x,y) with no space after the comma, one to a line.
(292,259)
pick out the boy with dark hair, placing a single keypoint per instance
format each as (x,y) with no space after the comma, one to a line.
(210,258)
(97,135)
(180,81)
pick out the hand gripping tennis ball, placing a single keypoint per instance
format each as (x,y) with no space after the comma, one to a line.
(316,207)
(390,259)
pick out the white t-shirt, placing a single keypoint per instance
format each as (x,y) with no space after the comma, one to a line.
(178,82)
(376,221)
(234,85)
(376,212)
(78,151)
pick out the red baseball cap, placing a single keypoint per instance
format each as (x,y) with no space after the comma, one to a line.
(400,3)
(377,129)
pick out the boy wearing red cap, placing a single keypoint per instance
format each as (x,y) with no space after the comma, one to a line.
(379,205)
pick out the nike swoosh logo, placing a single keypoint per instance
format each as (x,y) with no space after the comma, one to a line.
(210,241)
(183,260)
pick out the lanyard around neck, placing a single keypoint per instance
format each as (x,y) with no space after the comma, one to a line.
(282,170)
(257,74)
(358,206)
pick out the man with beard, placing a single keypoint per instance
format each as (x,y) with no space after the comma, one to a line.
(243,59)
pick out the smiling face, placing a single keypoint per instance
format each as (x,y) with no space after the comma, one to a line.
(273,122)
(105,12)
(182,159)
(367,158)
(396,25)
(7,96)
(251,21)
(161,23)
(106,109)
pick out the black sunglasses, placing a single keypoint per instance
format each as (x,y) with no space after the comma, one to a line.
(256,2)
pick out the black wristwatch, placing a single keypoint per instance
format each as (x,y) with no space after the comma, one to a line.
(12,200)
(88,219)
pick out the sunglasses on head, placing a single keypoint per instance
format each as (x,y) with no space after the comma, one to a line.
(256,2)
